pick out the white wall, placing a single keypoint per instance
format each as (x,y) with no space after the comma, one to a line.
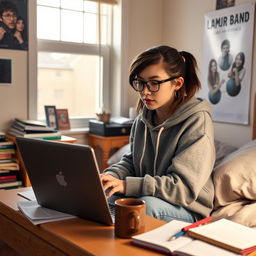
(142,23)
(13,97)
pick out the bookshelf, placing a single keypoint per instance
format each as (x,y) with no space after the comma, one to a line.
(23,173)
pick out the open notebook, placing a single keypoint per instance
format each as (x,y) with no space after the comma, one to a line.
(157,240)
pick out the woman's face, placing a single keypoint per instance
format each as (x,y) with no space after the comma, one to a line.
(213,67)
(165,96)
(20,25)
(238,61)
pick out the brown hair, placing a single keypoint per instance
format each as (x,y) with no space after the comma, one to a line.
(213,78)
(176,64)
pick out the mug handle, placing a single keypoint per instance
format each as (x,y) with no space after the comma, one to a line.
(134,221)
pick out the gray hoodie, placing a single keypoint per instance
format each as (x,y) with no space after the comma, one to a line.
(174,160)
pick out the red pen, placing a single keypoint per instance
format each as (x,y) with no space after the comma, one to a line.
(193,225)
(198,223)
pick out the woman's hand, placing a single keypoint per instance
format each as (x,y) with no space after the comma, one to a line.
(112,184)
(18,35)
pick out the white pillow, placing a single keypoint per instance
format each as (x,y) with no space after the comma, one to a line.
(116,157)
(235,176)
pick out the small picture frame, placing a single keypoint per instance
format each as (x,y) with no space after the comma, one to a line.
(63,119)
(51,117)
(5,71)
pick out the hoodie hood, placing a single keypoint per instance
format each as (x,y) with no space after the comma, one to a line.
(191,107)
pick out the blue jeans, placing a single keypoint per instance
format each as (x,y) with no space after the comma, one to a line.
(163,210)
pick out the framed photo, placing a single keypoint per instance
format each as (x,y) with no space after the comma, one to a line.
(51,117)
(14,24)
(63,119)
(5,71)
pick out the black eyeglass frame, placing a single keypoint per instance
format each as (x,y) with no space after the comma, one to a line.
(145,83)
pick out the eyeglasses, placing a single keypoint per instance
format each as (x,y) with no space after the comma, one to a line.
(152,85)
(9,16)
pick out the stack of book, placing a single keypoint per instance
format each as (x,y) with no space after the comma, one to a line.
(33,129)
(9,168)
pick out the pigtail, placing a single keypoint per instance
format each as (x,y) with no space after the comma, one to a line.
(192,82)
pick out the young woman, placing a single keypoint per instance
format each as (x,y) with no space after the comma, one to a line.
(172,146)
(214,83)
(20,34)
(236,75)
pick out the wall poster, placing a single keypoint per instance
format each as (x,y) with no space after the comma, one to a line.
(227,61)
(13,24)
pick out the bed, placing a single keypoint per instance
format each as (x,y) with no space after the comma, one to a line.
(235,183)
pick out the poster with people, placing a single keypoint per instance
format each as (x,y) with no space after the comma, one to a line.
(13,24)
(227,60)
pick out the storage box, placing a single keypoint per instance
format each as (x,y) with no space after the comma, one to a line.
(109,129)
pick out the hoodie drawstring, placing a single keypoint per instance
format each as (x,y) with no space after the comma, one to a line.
(157,146)
(144,148)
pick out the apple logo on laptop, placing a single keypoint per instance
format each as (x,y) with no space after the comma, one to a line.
(61,179)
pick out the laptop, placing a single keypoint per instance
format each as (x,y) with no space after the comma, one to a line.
(65,177)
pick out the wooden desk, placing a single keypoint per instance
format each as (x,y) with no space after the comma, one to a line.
(106,145)
(74,237)
(23,173)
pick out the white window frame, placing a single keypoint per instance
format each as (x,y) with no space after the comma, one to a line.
(64,47)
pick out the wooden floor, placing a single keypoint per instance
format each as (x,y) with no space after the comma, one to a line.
(5,250)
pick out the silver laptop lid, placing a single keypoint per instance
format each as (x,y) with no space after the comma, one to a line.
(65,177)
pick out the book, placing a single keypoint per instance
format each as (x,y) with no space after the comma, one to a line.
(5,156)
(7,151)
(9,166)
(14,132)
(9,178)
(6,161)
(227,234)
(157,240)
(2,136)
(8,172)
(11,184)
(32,128)
(7,144)
(30,122)
(43,135)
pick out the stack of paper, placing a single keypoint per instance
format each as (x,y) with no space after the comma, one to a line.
(38,214)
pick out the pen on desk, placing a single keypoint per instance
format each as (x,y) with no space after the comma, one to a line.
(193,225)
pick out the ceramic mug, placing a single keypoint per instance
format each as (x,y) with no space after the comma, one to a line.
(129,217)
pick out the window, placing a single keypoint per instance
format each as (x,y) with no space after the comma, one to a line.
(73,57)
